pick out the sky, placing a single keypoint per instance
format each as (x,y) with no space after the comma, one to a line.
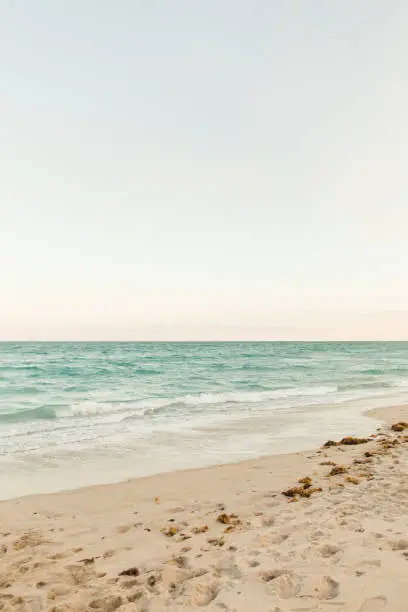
(216,169)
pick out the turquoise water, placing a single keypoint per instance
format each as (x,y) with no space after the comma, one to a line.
(84,413)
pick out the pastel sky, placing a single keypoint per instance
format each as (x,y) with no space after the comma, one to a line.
(207,169)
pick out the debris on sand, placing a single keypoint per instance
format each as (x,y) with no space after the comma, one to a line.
(170,531)
(338,469)
(304,491)
(347,441)
(387,444)
(217,541)
(180,561)
(231,520)
(226,519)
(350,440)
(352,480)
(88,560)
(306,481)
(201,529)
(399,426)
(151,581)
(131,571)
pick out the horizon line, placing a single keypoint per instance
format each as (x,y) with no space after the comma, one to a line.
(282,340)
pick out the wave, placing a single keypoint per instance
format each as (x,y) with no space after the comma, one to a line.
(380,384)
(257,368)
(238,397)
(189,403)
(11,391)
(160,405)
(29,414)
(29,367)
(132,409)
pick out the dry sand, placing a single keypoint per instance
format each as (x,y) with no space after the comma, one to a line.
(104,549)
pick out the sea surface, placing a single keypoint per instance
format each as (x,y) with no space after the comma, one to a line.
(74,414)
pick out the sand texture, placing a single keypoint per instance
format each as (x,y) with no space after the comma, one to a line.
(223,538)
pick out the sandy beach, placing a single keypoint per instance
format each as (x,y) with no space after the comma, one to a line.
(222,538)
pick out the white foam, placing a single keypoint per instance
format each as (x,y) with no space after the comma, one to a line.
(89,408)
(247,397)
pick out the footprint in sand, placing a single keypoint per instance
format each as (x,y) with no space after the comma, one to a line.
(202,594)
(327,589)
(109,603)
(227,567)
(287,586)
(328,549)
(59,556)
(109,553)
(374,604)
(29,540)
(78,575)
(35,603)
(400,544)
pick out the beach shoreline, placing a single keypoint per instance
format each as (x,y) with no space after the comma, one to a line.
(81,415)
(38,478)
(380,415)
(67,551)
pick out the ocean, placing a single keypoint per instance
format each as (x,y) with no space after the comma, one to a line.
(75,414)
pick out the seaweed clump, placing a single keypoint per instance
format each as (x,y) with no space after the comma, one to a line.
(330,443)
(350,440)
(338,469)
(170,531)
(305,490)
(362,461)
(306,482)
(231,520)
(347,441)
(132,571)
(201,529)
(301,491)
(399,426)
(217,541)
(352,480)
(226,519)
(387,444)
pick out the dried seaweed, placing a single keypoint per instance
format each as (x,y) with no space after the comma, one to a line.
(217,541)
(352,480)
(170,531)
(305,491)
(201,529)
(132,571)
(227,519)
(351,440)
(399,426)
(338,469)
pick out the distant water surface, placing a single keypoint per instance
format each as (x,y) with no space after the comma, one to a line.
(73,414)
